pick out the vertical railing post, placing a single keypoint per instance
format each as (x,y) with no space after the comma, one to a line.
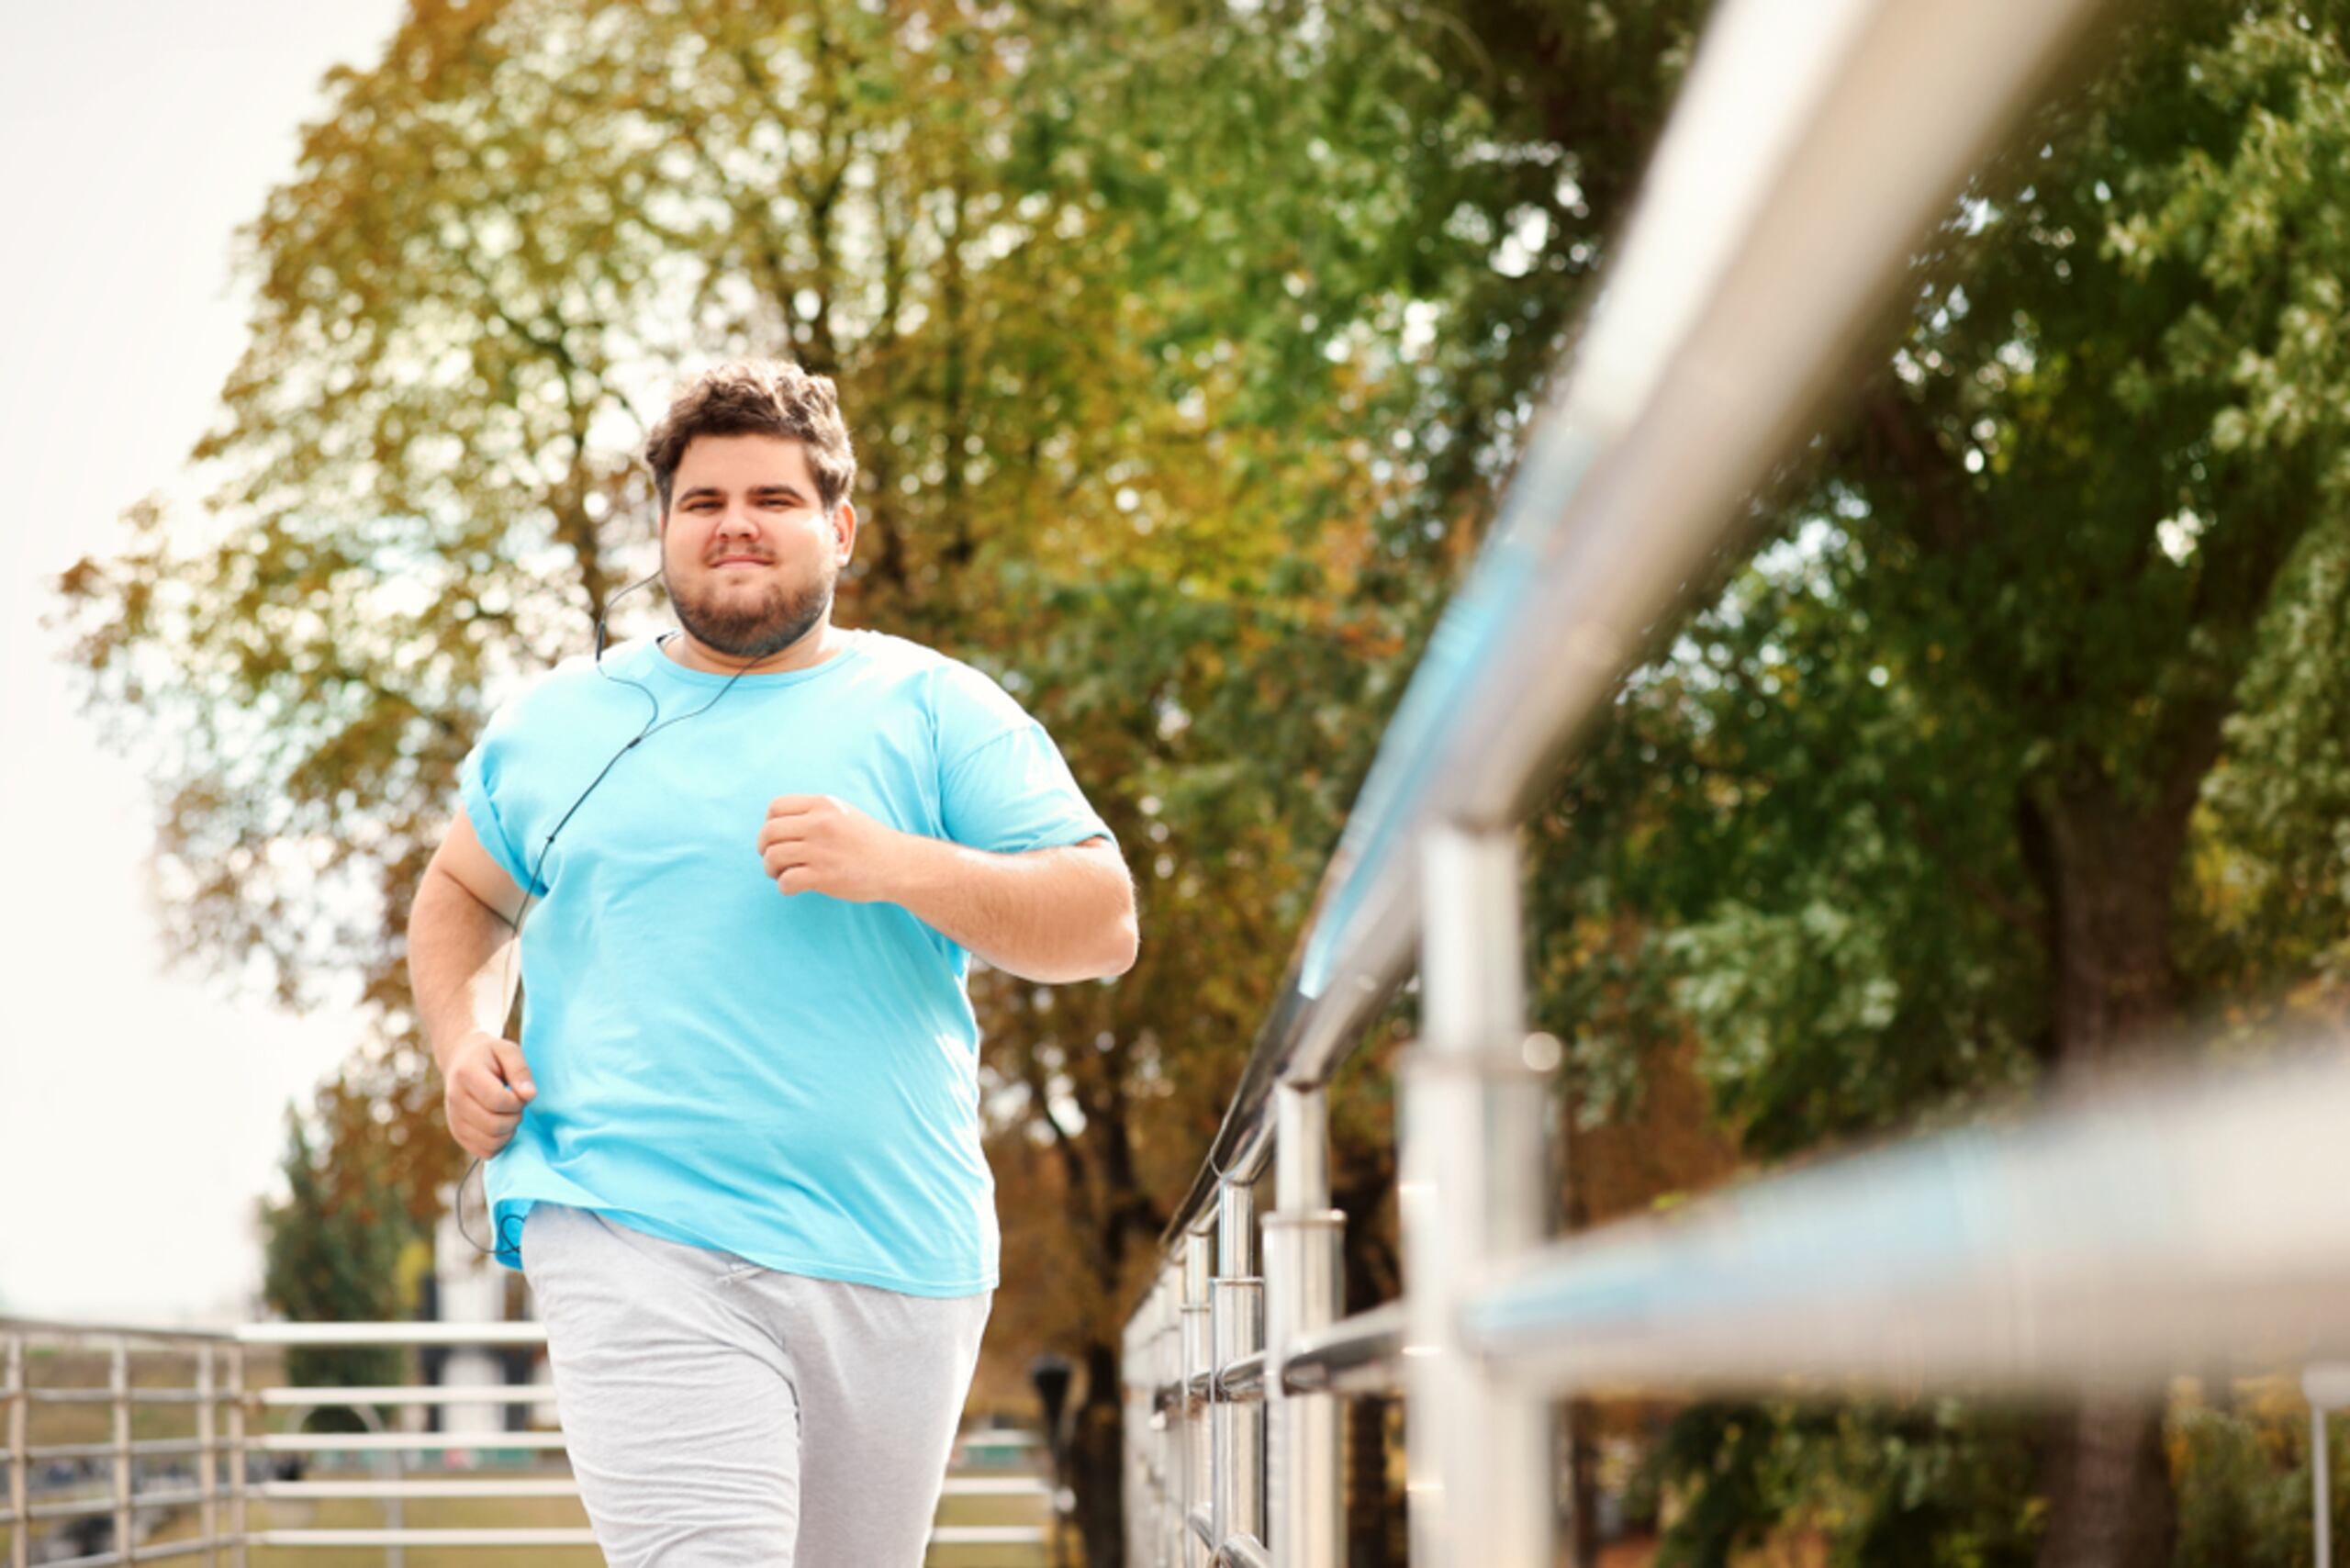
(208,1456)
(1130,1479)
(1199,1353)
(1237,1322)
(125,1550)
(1173,1434)
(2320,1466)
(1475,1191)
(1153,1367)
(20,1526)
(238,1527)
(1304,1291)
(1141,1369)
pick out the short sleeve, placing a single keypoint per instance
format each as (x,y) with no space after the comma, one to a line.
(1003,785)
(477,783)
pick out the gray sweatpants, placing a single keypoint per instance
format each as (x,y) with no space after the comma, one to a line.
(720,1414)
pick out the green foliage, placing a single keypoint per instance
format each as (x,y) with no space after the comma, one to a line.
(1927,1486)
(1779,847)
(1911,806)
(2236,1507)
(1727,1457)
(2273,861)
(2244,1489)
(2019,735)
(330,1254)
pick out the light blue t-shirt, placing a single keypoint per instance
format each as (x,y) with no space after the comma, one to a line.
(794,1079)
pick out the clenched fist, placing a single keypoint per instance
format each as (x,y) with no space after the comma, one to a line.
(486,1084)
(814,843)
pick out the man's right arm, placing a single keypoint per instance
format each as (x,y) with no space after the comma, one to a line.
(461,932)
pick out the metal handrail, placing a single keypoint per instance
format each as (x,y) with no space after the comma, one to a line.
(1724,324)
(399,1442)
(1363,1354)
(1984,1260)
(496,1393)
(45,1331)
(393,1335)
(1242,1552)
(144,1448)
(422,1487)
(221,1498)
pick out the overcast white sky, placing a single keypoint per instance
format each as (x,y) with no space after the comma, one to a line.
(140,1115)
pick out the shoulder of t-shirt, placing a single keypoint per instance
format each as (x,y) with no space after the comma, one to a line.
(570,676)
(970,706)
(952,677)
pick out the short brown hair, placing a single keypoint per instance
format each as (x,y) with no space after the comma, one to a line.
(758,397)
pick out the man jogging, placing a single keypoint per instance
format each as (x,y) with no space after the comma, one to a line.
(736,1150)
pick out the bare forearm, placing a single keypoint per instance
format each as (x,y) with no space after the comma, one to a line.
(459,966)
(1049,915)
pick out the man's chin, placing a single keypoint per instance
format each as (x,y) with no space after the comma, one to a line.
(749,644)
(747,632)
(750,640)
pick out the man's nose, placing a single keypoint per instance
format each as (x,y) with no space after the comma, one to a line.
(737,522)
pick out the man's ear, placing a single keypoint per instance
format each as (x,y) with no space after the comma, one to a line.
(845,531)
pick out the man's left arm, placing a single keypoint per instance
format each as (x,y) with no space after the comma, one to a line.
(1049,915)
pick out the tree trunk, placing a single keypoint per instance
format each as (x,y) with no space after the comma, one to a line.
(1578,1456)
(2106,865)
(1373,1513)
(1097,1461)
(2109,1489)
(2107,872)
(1582,1486)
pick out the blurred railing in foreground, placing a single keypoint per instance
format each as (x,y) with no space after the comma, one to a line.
(230,1460)
(1815,143)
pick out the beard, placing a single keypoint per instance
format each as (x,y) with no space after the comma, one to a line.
(750,628)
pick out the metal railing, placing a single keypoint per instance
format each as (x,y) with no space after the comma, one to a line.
(229,1459)
(2105,1245)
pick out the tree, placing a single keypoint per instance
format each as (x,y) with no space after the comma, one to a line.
(330,1254)
(1974,770)
(503,239)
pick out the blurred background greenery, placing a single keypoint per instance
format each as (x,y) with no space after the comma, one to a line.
(1186,346)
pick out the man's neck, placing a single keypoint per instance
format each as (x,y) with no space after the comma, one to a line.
(823,639)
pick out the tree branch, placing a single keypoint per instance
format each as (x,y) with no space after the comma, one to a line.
(2023,917)
(1930,472)
(1031,1074)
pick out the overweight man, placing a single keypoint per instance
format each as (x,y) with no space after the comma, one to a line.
(736,1151)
